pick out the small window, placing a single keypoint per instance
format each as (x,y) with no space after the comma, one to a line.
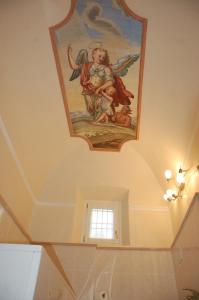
(102,224)
(102,221)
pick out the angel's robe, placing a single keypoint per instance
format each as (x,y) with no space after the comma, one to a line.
(121,96)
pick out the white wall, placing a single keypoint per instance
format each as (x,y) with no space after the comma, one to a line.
(122,274)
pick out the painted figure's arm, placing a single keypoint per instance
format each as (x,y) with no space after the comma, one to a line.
(71,60)
(107,96)
(104,86)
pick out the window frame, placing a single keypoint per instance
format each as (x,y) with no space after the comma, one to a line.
(101,204)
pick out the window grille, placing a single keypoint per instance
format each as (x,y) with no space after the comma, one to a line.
(102,224)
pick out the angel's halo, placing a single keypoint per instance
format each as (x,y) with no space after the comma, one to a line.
(95,44)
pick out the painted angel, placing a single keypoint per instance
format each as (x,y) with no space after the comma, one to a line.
(99,77)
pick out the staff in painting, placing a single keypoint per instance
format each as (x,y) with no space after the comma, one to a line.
(97,75)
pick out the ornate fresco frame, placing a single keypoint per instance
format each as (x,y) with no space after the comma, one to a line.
(52,31)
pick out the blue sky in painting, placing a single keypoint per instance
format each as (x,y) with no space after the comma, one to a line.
(92,32)
(131,29)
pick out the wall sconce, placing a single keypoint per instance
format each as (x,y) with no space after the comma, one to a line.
(173,194)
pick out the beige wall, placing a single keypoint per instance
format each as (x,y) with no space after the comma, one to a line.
(179,208)
(9,232)
(51,223)
(151,228)
(186,252)
(12,187)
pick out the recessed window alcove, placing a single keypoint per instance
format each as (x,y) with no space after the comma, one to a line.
(101,216)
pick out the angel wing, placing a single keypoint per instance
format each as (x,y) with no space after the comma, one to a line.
(81,59)
(123,64)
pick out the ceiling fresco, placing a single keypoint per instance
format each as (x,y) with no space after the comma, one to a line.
(99,51)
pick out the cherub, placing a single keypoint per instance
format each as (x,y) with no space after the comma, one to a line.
(122,117)
(97,75)
(104,103)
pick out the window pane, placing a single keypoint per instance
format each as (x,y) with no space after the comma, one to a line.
(94,216)
(110,217)
(103,233)
(109,226)
(105,216)
(101,225)
(99,216)
(109,234)
(92,233)
(98,233)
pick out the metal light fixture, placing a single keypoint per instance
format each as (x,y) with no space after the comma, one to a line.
(173,194)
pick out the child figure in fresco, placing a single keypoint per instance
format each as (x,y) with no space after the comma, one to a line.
(104,104)
(122,117)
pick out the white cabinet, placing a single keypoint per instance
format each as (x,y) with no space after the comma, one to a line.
(27,273)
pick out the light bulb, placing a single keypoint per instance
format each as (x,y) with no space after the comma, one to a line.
(168,174)
(180,178)
(165,197)
(169,193)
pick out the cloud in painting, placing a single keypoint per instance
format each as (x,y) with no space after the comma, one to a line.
(93,18)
